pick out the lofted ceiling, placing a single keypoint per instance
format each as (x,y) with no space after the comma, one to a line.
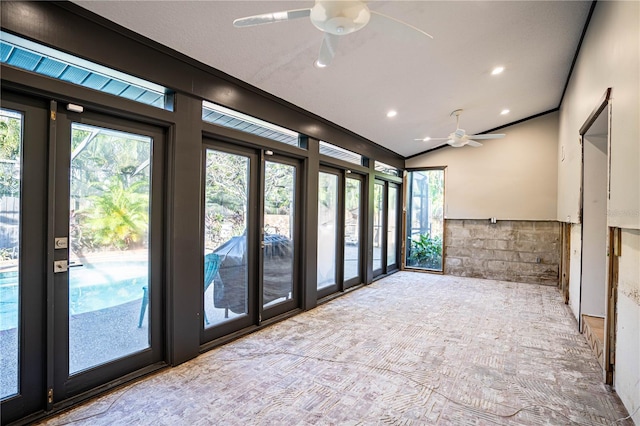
(385,66)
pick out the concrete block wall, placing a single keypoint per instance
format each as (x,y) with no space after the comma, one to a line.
(509,250)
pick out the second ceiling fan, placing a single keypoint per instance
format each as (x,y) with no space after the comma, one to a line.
(459,137)
(334,18)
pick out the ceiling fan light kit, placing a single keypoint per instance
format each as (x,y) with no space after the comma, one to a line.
(340,17)
(459,137)
(333,18)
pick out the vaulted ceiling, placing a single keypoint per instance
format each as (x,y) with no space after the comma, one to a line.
(384,66)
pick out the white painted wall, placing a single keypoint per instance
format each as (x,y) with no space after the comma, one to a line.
(512,178)
(627,375)
(610,57)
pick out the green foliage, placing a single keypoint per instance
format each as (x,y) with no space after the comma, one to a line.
(426,252)
(226,196)
(10,131)
(118,217)
(110,178)
(279,187)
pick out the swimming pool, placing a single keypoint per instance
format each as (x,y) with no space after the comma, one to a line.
(95,286)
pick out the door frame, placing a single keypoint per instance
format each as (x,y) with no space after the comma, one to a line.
(32,346)
(341,284)
(355,281)
(65,386)
(338,284)
(297,290)
(603,107)
(405,218)
(214,335)
(208,334)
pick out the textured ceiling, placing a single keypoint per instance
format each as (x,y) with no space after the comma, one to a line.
(385,65)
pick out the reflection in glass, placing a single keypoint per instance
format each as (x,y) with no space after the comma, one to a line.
(352,229)
(391,225)
(10,178)
(279,232)
(226,274)
(378,198)
(327,229)
(110,183)
(425,225)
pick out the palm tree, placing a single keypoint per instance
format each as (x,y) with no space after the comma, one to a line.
(119,216)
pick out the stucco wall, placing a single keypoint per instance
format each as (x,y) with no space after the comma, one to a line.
(514,178)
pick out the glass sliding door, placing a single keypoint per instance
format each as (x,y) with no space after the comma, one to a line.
(23,207)
(108,250)
(386,200)
(226,215)
(425,219)
(109,204)
(392,227)
(279,269)
(81,247)
(250,234)
(352,230)
(327,229)
(11,123)
(378,225)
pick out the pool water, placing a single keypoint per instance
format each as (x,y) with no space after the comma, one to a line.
(92,287)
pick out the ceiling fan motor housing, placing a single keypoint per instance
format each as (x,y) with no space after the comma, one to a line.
(459,133)
(340,17)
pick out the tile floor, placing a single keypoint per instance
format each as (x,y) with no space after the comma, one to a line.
(411,349)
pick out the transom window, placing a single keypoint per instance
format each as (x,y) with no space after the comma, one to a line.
(226,117)
(30,56)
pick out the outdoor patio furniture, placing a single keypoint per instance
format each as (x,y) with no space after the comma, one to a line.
(230,290)
(211,267)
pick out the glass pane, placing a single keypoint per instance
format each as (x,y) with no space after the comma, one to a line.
(391,225)
(109,287)
(225,239)
(10,162)
(340,153)
(352,229)
(327,229)
(25,54)
(378,210)
(226,117)
(279,223)
(425,223)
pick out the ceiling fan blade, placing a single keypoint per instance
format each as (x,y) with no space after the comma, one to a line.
(474,144)
(373,12)
(431,139)
(269,18)
(327,50)
(487,136)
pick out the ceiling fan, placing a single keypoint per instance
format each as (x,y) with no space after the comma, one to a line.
(334,18)
(460,138)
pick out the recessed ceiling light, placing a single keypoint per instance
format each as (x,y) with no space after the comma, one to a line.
(392,113)
(497,70)
(504,112)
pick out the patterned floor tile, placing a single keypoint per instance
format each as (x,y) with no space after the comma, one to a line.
(410,349)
